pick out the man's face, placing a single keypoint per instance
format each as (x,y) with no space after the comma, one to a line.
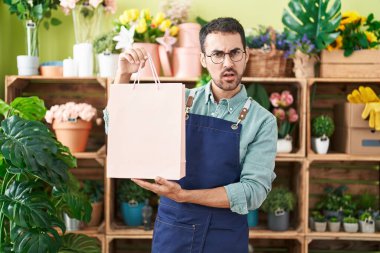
(228,74)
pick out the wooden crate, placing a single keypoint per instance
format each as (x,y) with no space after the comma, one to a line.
(61,90)
(361,64)
(322,95)
(348,245)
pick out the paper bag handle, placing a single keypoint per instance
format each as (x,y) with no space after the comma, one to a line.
(154,72)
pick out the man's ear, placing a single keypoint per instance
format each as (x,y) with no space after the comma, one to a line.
(246,54)
(203,60)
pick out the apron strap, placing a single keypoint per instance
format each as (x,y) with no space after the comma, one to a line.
(189,102)
(243,113)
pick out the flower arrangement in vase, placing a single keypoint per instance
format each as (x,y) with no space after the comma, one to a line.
(72,124)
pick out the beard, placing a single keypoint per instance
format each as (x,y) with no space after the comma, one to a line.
(228,80)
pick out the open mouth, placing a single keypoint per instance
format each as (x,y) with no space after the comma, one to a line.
(229,75)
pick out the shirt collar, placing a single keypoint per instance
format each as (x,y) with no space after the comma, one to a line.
(233,102)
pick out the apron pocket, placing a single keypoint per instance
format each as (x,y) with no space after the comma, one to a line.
(172,237)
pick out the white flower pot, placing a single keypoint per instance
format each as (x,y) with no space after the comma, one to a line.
(351,227)
(320,226)
(334,226)
(27,65)
(320,145)
(367,226)
(107,64)
(284,145)
(83,58)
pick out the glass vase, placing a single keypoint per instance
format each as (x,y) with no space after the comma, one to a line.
(87,20)
(31,38)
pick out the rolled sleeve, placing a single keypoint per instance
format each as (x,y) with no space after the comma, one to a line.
(257,170)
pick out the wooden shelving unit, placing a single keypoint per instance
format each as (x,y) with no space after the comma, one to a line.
(298,169)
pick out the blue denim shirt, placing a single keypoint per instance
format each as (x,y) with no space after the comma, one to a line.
(258,143)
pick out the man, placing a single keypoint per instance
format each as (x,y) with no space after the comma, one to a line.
(230,152)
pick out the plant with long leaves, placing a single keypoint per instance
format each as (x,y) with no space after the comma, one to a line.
(36,187)
(317,19)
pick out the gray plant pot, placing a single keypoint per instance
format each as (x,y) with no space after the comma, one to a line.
(71,223)
(320,226)
(367,226)
(311,223)
(351,227)
(278,221)
(334,226)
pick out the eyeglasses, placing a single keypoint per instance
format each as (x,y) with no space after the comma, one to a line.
(219,56)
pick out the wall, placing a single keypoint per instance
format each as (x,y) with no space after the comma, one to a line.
(56,44)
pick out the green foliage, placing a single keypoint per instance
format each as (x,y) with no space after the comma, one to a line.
(259,94)
(128,191)
(77,243)
(336,200)
(318,20)
(94,189)
(201,21)
(373,25)
(203,80)
(350,219)
(365,216)
(279,198)
(36,185)
(39,10)
(105,43)
(319,218)
(333,219)
(367,201)
(322,125)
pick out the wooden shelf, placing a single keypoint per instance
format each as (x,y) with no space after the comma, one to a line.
(311,81)
(343,236)
(341,157)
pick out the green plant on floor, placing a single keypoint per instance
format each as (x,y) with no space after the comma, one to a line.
(318,20)
(105,43)
(350,220)
(279,198)
(94,189)
(322,126)
(36,186)
(128,191)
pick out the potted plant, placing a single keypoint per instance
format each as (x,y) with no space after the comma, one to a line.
(367,224)
(320,223)
(36,185)
(107,54)
(286,116)
(322,129)
(94,189)
(142,29)
(278,204)
(367,202)
(334,224)
(310,31)
(350,224)
(32,15)
(311,218)
(131,199)
(72,124)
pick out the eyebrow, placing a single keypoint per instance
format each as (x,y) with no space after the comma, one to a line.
(221,51)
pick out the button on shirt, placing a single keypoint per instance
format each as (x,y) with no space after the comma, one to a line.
(258,143)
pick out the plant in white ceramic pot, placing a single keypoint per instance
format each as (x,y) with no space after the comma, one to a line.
(320,222)
(287,118)
(322,129)
(334,224)
(366,222)
(107,54)
(350,224)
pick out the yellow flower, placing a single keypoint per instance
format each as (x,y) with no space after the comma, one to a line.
(371,37)
(124,18)
(160,16)
(145,13)
(174,30)
(350,17)
(141,26)
(134,14)
(165,25)
(337,44)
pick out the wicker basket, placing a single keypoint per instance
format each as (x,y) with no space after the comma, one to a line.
(268,64)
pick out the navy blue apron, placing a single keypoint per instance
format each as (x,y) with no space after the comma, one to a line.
(212,160)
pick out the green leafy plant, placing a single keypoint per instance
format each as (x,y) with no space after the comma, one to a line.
(128,191)
(94,189)
(259,94)
(318,20)
(350,220)
(319,218)
(365,216)
(367,201)
(36,186)
(279,198)
(105,43)
(333,219)
(322,126)
(203,80)
(335,200)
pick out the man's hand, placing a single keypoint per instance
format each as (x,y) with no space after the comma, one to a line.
(163,187)
(129,63)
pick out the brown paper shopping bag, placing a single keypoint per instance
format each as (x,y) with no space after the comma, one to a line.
(146,130)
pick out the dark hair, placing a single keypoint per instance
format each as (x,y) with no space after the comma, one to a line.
(224,25)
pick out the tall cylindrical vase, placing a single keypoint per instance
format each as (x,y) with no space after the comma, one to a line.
(27,65)
(152,49)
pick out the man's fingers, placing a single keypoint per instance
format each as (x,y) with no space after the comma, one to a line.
(146,185)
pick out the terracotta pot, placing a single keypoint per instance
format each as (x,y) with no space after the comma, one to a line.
(152,49)
(186,62)
(96,215)
(188,35)
(51,71)
(74,135)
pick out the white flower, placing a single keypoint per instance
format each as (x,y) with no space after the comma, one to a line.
(167,41)
(95,3)
(125,38)
(68,4)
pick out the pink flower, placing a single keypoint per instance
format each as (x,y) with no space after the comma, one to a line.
(286,98)
(95,3)
(110,6)
(68,4)
(279,113)
(292,115)
(275,99)
(69,111)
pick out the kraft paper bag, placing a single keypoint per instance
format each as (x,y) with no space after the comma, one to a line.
(146,130)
